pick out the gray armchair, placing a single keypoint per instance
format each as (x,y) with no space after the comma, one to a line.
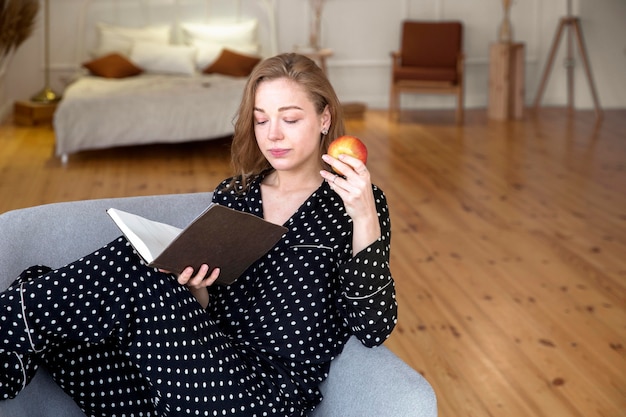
(363,382)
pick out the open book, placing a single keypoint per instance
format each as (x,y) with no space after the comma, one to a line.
(219,237)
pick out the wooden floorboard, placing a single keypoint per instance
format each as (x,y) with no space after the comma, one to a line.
(508,244)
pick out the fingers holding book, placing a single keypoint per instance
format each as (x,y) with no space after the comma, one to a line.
(201,279)
(197,282)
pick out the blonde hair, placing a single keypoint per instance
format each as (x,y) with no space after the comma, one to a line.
(246,158)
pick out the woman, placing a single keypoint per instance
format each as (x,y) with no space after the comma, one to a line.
(124,339)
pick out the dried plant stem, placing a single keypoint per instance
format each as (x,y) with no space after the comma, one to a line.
(315,34)
(17,22)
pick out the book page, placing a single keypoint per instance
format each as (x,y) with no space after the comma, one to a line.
(148,237)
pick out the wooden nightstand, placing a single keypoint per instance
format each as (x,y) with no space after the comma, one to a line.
(319,55)
(29,113)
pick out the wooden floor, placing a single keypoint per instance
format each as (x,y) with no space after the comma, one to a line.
(509,244)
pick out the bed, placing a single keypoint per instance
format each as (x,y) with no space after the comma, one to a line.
(160,71)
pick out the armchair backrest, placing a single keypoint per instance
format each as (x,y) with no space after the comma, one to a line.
(431,44)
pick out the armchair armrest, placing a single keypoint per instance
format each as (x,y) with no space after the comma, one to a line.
(395,58)
(460,67)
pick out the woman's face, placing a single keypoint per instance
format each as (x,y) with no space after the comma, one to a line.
(287,127)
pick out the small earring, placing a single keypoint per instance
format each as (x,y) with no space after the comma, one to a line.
(325,132)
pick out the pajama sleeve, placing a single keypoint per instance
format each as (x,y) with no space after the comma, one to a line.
(368,299)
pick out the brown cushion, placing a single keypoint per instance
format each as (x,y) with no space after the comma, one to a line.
(232,63)
(426,74)
(112,66)
(431,44)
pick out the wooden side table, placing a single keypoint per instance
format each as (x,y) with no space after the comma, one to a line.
(506,81)
(351,110)
(29,113)
(319,55)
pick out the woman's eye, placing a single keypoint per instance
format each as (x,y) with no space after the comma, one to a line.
(259,122)
(291,121)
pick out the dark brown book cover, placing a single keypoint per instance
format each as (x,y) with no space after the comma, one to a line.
(221,238)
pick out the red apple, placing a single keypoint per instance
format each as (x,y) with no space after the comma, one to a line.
(348,145)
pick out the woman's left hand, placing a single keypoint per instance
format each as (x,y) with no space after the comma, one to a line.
(355,189)
(198,283)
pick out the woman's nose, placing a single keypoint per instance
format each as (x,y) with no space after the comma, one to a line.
(274,132)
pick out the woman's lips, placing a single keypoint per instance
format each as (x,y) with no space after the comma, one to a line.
(277,153)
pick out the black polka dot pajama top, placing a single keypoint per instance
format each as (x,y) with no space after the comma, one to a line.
(126,340)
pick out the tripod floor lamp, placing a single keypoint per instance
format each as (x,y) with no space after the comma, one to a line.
(573,27)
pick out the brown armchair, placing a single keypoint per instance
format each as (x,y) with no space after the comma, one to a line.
(430,61)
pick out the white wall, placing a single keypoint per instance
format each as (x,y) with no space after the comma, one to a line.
(604,28)
(363,32)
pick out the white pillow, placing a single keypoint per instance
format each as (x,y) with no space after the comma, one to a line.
(170,59)
(244,32)
(208,52)
(120,39)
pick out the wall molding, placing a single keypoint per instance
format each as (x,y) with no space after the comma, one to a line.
(371,63)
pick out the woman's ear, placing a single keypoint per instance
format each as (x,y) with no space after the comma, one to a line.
(326,118)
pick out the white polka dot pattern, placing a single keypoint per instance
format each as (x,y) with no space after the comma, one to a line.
(125,340)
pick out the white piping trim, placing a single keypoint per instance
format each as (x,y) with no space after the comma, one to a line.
(30,339)
(311,247)
(371,295)
(23,369)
